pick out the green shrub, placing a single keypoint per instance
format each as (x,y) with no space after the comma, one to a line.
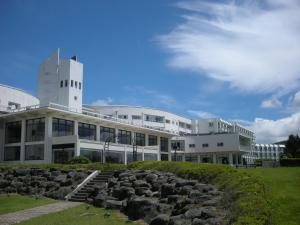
(263,160)
(80,160)
(290,162)
(245,195)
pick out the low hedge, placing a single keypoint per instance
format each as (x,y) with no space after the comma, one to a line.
(89,166)
(290,162)
(245,194)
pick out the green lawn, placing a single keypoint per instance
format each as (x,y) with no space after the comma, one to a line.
(283,190)
(80,215)
(14,202)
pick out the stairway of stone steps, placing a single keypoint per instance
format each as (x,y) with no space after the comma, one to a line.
(82,194)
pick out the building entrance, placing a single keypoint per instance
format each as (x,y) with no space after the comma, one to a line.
(63,153)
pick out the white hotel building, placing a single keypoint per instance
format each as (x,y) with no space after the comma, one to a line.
(56,126)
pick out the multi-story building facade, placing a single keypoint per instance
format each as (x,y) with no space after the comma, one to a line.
(268,151)
(59,128)
(56,126)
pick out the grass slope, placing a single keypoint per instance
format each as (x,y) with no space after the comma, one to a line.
(14,202)
(80,215)
(283,192)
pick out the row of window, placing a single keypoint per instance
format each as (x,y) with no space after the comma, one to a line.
(35,131)
(72,84)
(32,152)
(219,144)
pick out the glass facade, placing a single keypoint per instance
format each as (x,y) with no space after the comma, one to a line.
(87,131)
(130,157)
(61,127)
(12,153)
(164,144)
(164,157)
(140,139)
(34,152)
(124,137)
(35,129)
(150,156)
(13,132)
(114,157)
(152,140)
(107,132)
(94,155)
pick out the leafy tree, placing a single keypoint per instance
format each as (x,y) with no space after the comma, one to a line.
(292,147)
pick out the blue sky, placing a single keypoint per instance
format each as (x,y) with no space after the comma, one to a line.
(195,58)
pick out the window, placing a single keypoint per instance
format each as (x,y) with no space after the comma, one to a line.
(13,132)
(87,131)
(107,132)
(152,118)
(124,137)
(181,124)
(35,129)
(167,121)
(211,124)
(114,157)
(164,144)
(34,152)
(150,156)
(136,117)
(12,153)
(220,144)
(164,157)
(125,117)
(75,84)
(204,145)
(140,139)
(139,156)
(61,127)
(72,83)
(188,126)
(66,83)
(61,83)
(75,98)
(93,154)
(79,85)
(192,145)
(152,140)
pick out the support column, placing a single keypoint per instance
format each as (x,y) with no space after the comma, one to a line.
(125,155)
(230,158)
(48,154)
(169,149)
(199,158)
(116,134)
(158,152)
(77,143)
(98,133)
(214,158)
(23,133)
(143,154)
(146,139)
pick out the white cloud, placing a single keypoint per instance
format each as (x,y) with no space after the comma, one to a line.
(267,131)
(252,45)
(271,103)
(100,102)
(296,99)
(201,114)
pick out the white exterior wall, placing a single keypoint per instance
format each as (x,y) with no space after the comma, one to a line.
(268,151)
(52,72)
(13,95)
(172,127)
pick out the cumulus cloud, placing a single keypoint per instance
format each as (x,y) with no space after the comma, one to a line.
(267,131)
(201,114)
(271,103)
(253,45)
(100,102)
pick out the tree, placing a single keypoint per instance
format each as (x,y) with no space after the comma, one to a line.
(292,147)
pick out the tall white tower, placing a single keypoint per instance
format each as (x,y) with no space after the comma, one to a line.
(60,82)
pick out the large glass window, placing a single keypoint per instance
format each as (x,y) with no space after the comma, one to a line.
(164,157)
(152,140)
(140,139)
(13,132)
(12,153)
(150,156)
(114,157)
(130,157)
(87,131)
(61,127)
(94,155)
(164,144)
(124,137)
(34,152)
(107,132)
(152,118)
(35,129)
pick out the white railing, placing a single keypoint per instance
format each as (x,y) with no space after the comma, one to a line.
(86,180)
